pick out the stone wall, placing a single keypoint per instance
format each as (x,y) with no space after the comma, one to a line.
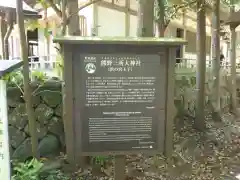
(185,93)
(47,101)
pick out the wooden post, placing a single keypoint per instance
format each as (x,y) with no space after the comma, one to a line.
(68,108)
(171,110)
(119,167)
(4,140)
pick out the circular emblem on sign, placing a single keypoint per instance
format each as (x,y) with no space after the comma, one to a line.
(90,68)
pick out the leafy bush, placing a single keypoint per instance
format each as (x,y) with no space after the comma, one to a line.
(32,170)
(100,160)
(27,171)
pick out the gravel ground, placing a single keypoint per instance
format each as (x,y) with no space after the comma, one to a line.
(210,155)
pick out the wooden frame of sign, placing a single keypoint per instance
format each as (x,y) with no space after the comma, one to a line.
(6,66)
(118,95)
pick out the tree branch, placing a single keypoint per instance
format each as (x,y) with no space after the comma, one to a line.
(178,7)
(82,7)
(64,17)
(55,8)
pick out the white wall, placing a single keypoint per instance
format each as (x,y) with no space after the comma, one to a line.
(88,13)
(14,43)
(110,22)
(133,26)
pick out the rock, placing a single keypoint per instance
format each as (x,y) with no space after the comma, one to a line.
(49,146)
(16,136)
(52,99)
(59,110)
(179,106)
(10,150)
(41,130)
(43,113)
(51,165)
(55,126)
(13,96)
(36,100)
(23,151)
(184,169)
(62,140)
(18,117)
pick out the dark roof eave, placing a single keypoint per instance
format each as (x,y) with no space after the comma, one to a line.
(32,16)
(120,40)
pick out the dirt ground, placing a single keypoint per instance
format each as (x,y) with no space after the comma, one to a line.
(210,155)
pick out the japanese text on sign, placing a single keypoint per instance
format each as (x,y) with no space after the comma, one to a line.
(119,64)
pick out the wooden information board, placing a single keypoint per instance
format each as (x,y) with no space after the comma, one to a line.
(122,99)
(6,66)
(118,95)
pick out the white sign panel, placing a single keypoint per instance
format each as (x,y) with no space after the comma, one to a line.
(4,140)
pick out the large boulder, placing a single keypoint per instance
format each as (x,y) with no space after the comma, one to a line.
(43,113)
(23,151)
(49,146)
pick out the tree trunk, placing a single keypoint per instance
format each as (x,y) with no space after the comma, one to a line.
(3,30)
(73,24)
(215,94)
(201,65)
(233,62)
(9,17)
(46,33)
(161,22)
(27,87)
(64,17)
(145,18)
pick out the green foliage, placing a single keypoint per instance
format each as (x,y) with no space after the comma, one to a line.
(171,9)
(229,2)
(59,65)
(55,175)
(27,171)
(15,78)
(32,24)
(43,3)
(100,160)
(32,170)
(38,76)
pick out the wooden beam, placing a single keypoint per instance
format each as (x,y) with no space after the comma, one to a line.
(117,7)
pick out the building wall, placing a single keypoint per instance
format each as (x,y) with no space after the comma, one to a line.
(110,22)
(238,46)
(87,13)
(14,43)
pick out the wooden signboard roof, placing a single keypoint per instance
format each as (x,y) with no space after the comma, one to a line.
(234,19)
(120,40)
(11,4)
(7,66)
